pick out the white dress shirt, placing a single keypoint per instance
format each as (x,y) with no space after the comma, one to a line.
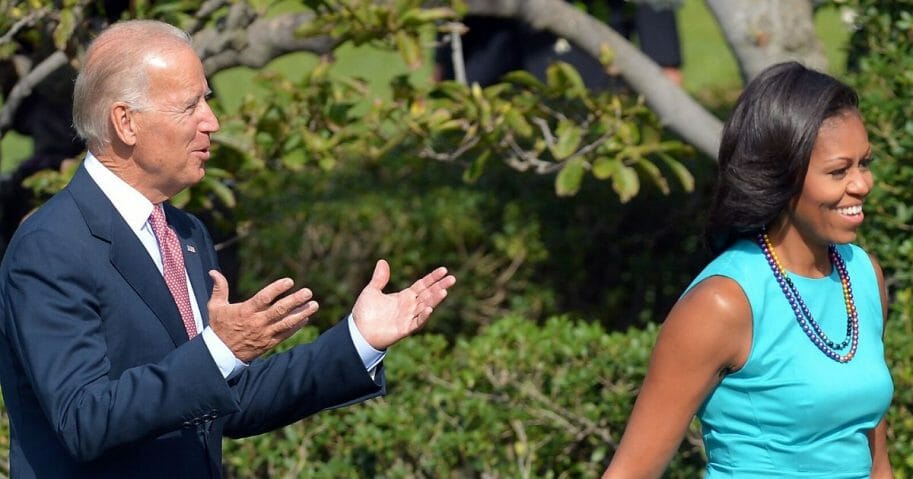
(136,209)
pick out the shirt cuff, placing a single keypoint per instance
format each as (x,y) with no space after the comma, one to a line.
(228,364)
(370,357)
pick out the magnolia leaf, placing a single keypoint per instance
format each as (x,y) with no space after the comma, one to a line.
(494,91)
(606,55)
(65,28)
(219,173)
(410,49)
(524,79)
(450,89)
(649,134)
(517,122)
(625,183)
(437,117)
(180,199)
(222,191)
(454,124)
(604,167)
(685,178)
(651,171)
(568,181)
(428,15)
(628,133)
(477,167)
(568,139)
(460,7)
(563,78)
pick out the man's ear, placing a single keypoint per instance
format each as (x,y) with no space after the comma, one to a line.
(122,119)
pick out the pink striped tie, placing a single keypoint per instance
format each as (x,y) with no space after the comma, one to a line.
(173,265)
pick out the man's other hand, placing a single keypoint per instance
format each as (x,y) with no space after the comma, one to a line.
(253,327)
(383,319)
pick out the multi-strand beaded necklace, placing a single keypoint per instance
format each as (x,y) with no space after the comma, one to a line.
(804,316)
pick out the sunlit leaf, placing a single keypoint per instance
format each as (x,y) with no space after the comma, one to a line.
(652,172)
(563,77)
(568,181)
(685,178)
(568,137)
(625,183)
(517,122)
(410,49)
(606,55)
(604,167)
(525,79)
(65,28)
(476,167)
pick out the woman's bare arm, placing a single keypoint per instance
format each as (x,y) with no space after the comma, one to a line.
(706,334)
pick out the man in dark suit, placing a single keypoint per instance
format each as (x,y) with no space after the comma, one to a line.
(120,355)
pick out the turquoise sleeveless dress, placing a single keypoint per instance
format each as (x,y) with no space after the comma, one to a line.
(790,411)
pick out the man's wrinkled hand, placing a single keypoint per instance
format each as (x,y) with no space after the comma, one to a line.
(255,326)
(383,319)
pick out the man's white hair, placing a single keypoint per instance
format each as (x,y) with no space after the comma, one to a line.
(115,69)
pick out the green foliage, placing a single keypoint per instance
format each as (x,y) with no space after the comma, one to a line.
(328,230)
(882,72)
(546,127)
(395,25)
(881,69)
(517,400)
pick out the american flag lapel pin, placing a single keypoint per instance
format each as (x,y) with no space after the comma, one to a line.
(191,249)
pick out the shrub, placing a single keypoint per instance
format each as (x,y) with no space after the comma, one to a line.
(518,400)
(881,56)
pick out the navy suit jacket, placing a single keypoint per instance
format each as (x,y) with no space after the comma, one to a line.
(98,375)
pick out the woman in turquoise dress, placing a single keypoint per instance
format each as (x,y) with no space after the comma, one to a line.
(777,345)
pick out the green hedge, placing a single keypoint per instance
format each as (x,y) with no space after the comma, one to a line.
(881,69)
(518,400)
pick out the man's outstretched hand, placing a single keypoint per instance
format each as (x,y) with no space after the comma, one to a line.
(385,318)
(253,327)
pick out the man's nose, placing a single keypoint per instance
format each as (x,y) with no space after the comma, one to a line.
(210,123)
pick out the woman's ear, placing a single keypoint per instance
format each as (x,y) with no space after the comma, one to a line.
(123,120)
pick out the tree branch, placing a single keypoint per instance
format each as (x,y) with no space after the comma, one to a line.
(25,21)
(675,108)
(760,34)
(258,42)
(25,86)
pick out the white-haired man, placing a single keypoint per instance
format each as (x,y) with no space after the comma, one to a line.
(120,355)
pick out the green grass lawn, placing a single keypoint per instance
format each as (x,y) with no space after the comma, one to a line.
(709,68)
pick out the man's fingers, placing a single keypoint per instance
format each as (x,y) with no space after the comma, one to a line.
(295,320)
(219,287)
(436,293)
(381,275)
(265,297)
(290,303)
(429,279)
(422,317)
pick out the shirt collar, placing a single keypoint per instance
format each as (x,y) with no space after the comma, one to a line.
(130,203)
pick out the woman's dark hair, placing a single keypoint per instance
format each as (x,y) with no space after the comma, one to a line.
(766,146)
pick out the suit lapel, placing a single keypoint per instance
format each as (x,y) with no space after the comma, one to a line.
(132,260)
(127,254)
